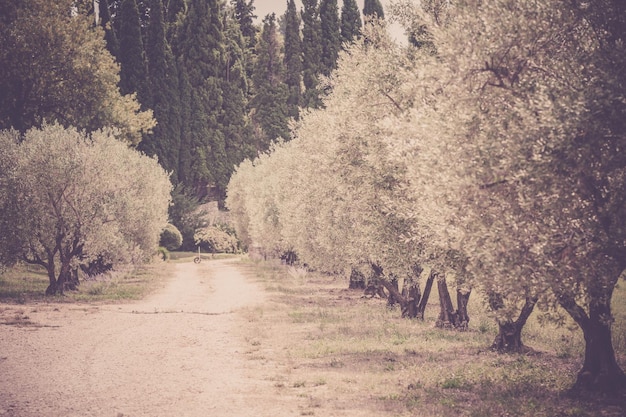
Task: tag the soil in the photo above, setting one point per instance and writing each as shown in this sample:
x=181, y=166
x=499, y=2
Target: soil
x=181, y=352
x=227, y=338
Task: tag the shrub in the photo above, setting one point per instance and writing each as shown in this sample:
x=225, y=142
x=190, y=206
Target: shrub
x=216, y=239
x=171, y=238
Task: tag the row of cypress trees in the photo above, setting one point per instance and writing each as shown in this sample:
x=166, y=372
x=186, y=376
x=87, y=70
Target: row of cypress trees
x=223, y=88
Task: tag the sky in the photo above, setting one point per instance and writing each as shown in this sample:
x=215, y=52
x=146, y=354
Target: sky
x=265, y=7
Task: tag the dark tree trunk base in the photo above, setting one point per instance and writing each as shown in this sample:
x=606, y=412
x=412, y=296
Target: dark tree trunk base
x=393, y=299
x=375, y=285
x=449, y=318
x=357, y=280
x=509, y=340
x=411, y=296
x=608, y=385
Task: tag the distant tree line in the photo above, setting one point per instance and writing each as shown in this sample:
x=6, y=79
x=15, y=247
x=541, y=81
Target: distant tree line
x=198, y=84
x=221, y=86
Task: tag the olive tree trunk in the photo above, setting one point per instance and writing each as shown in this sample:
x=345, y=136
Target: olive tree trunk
x=357, y=280
x=600, y=372
x=421, y=307
x=509, y=338
x=448, y=316
x=410, y=297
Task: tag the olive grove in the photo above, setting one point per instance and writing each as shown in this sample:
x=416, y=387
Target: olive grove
x=494, y=155
x=70, y=200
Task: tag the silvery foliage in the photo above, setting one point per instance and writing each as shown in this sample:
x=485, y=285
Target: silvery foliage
x=485, y=147
x=85, y=196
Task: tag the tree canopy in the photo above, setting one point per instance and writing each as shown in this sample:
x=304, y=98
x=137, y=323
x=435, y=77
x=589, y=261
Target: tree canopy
x=494, y=153
x=56, y=69
x=75, y=199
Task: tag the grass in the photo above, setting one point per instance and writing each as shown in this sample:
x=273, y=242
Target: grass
x=24, y=283
x=335, y=351
x=184, y=256
x=318, y=330
x=27, y=283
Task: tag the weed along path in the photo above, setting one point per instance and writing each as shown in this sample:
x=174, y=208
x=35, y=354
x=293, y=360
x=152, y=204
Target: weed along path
x=181, y=352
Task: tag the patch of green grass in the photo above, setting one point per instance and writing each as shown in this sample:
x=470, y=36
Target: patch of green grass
x=21, y=284
x=454, y=382
x=408, y=367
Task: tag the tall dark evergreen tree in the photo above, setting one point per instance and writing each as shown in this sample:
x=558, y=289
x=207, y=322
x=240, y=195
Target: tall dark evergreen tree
x=106, y=23
x=373, y=9
x=330, y=35
x=185, y=177
x=269, y=103
x=237, y=130
x=244, y=13
x=164, y=141
x=293, y=60
x=311, y=52
x=131, y=56
x=173, y=15
x=350, y=21
x=201, y=53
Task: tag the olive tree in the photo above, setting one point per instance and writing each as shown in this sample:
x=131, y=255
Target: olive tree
x=336, y=194
x=530, y=119
x=74, y=199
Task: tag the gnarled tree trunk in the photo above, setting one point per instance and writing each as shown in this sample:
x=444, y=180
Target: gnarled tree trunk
x=376, y=283
x=462, y=298
x=509, y=338
x=410, y=296
x=52, y=286
x=412, y=293
x=421, y=307
x=600, y=372
x=448, y=316
x=357, y=280
x=394, y=297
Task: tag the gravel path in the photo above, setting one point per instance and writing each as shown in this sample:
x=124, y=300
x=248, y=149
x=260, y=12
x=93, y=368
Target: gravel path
x=179, y=353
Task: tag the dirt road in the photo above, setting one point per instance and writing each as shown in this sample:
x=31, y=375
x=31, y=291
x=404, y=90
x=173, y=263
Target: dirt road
x=178, y=353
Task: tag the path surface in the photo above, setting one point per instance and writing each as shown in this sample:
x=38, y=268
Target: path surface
x=178, y=353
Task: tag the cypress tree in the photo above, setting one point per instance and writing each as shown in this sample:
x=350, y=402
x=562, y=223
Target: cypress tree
x=269, y=103
x=131, y=57
x=293, y=60
x=235, y=90
x=172, y=10
x=173, y=14
x=110, y=36
x=244, y=13
x=185, y=150
x=373, y=9
x=350, y=21
x=201, y=52
x=330, y=35
x=164, y=141
x=311, y=52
